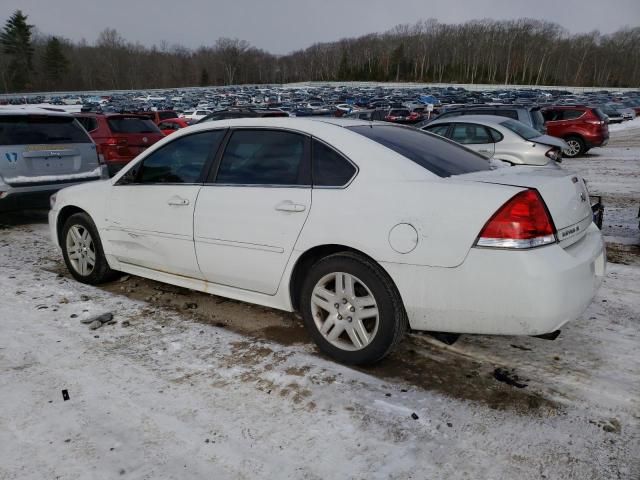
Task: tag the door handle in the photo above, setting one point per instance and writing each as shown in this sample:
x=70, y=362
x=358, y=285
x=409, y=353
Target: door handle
x=178, y=201
x=289, y=206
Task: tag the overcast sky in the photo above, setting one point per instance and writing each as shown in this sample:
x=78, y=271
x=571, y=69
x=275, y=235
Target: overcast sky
x=281, y=26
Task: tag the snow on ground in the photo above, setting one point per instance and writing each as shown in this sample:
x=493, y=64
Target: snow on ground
x=626, y=125
x=229, y=390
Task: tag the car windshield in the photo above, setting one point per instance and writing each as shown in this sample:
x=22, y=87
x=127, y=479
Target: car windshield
x=440, y=156
x=132, y=125
x=520, y=129
x=40, y=129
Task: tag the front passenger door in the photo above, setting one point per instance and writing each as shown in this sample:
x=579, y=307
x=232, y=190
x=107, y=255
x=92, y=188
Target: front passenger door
x=150, y=209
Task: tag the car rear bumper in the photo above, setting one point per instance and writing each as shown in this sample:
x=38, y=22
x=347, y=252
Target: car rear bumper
x=34, y=195
x=504, y=292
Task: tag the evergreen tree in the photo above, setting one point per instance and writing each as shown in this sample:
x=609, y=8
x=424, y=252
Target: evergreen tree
x=15, y=40
x=55, y=63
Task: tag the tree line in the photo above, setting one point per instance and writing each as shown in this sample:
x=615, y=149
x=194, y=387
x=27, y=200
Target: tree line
x=524, y=51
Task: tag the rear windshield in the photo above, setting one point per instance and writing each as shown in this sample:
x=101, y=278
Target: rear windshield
x=440, y=156
x=132, y=125
x=40, y=129
x=521, y=129
x=537, y=119
x=167, y=114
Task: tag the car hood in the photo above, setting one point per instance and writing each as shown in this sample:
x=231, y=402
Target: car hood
x=551, y=141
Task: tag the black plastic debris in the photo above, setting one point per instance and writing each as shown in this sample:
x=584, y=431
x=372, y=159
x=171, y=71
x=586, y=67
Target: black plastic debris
x=510, y=378
x=65, y=395
x=415, y=416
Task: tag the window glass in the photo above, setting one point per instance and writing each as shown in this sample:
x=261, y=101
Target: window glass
x=167, y=114
x=496, y=135
x=506, y=113
x=521, y=129
x=469, y=134
x=572, y=114
x=132, y=125
x=330, y=169
x=438, y=155
x=438, y=129
x=89, y=123
x=262, y=157
x=182, y=160
x=40, y=129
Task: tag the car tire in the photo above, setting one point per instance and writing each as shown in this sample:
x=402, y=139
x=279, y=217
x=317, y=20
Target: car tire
x=338, y=298
x=82, y=251
x=576, y=147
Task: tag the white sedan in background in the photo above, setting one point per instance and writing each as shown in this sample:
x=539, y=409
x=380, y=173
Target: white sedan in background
x=500, y=138
x=366, y=229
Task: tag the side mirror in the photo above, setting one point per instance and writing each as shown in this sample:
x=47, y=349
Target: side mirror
x=129, y=177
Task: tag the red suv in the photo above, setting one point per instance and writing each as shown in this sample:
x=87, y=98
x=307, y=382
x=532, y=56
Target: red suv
x=120, y=137
x=581, y=127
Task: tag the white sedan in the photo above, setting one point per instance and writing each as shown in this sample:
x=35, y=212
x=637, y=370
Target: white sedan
x=366, y=229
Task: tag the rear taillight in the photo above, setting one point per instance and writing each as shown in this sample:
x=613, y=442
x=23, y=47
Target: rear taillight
x=554, y=154
x=595, y=122
x=120, y=142
x=522, y=222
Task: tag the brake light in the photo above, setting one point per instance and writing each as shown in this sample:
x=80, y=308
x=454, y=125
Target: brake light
x=522, y=222
x=595, y=122
x=116, y=141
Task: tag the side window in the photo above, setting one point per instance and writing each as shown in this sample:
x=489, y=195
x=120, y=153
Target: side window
x=551, y=115
x=167, y=126
x=438, y=129
x=89, y=123
x=182, y=160
x=330, y=169
x=506, y=113
x=264, y=157
x=572, y=114
x=469, y=134
x=496, y=135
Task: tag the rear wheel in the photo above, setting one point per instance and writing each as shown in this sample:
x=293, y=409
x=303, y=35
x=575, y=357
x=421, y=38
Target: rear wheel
x=351, y=309
x=576, y=147
x=82, y=250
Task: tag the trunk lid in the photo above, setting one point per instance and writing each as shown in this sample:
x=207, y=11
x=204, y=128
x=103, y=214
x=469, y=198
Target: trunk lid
x=564, y=193
x=134, y=133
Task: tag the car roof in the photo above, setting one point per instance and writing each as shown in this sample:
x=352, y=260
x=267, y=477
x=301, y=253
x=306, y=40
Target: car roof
x=482, y=119
x=305, y=124
x=33, y=111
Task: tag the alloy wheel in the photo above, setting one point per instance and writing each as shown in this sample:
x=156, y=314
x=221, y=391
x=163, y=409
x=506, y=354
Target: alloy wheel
x=81, y=250
x=345, y=311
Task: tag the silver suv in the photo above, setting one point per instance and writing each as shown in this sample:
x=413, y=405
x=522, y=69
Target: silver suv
x=42, y=151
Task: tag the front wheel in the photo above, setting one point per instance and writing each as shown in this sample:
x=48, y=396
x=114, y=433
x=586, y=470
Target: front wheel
x=82, y=250
x=351, y=309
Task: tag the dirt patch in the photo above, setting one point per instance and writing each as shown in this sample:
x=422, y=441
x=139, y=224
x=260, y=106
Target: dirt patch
x=423, y=365
x=624, y=254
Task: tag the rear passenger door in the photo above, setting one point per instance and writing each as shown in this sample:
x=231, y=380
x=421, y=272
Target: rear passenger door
x=474, y=136
x=250, y=212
